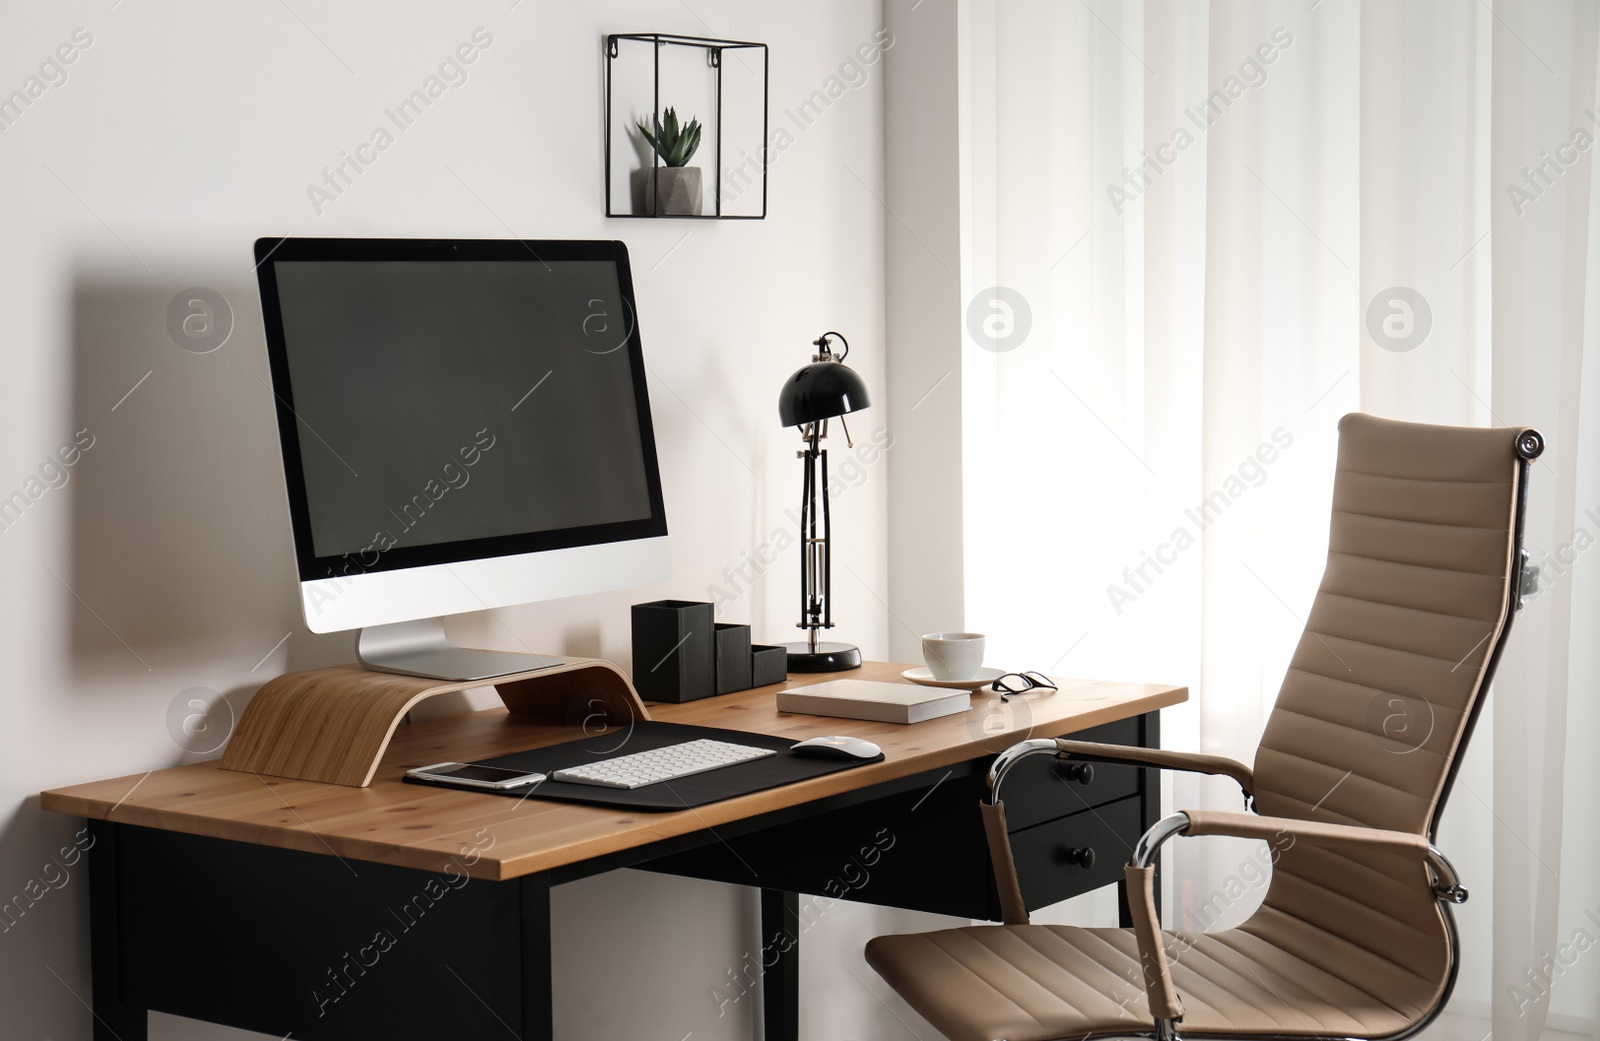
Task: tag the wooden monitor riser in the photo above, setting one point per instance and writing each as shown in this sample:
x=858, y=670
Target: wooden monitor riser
x=333, y=725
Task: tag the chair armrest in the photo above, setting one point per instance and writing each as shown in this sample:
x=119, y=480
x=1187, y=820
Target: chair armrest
x=1012, y=909
x=1160, y=758
x=1164, y=1006
x=1251, y=826
x=1158, y=985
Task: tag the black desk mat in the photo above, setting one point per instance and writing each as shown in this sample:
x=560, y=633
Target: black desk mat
x=695, y=790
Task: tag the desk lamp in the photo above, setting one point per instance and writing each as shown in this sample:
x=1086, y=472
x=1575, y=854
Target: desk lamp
x=824, y=390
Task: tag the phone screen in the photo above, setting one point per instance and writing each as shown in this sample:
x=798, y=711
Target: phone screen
x=468, y=772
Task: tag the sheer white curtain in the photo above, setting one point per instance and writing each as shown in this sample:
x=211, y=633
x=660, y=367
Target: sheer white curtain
x=1216, y=228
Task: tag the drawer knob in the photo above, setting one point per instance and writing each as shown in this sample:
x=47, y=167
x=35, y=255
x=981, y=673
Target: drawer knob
x=1082, y=856
x=1083, y=773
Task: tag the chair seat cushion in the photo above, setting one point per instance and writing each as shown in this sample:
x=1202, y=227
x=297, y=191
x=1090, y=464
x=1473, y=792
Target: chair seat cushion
x=1047, y=983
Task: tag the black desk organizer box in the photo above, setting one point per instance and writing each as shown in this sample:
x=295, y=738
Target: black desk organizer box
x=681, y=653
x=728, y=782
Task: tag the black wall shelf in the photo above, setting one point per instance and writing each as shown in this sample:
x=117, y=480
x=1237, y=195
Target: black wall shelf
x=662, y=70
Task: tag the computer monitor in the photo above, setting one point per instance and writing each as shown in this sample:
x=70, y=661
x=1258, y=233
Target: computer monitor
x=464, y=425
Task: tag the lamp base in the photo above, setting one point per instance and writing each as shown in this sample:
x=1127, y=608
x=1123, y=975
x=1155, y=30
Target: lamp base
x=828, y=657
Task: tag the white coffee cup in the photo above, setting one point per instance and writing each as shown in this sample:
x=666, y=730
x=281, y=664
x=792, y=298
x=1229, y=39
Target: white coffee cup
x=953, y=656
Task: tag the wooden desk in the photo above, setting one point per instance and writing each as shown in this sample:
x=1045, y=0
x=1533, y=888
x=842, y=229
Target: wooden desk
x=324, y=911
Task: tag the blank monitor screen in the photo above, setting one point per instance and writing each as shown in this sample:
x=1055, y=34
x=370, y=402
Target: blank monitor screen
x=449, y=406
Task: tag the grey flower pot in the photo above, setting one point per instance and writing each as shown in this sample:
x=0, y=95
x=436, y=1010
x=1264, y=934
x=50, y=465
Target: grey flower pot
x=680, y=191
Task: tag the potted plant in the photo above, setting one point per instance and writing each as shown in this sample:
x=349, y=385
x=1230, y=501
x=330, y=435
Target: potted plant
x=679, y=183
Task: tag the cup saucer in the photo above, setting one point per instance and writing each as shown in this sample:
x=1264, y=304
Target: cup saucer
x=925, y=677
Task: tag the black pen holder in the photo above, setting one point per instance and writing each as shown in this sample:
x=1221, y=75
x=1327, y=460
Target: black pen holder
x=733, y=658
x=674, y=647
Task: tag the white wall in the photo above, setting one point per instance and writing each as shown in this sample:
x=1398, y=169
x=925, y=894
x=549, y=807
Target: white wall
x=185, y=130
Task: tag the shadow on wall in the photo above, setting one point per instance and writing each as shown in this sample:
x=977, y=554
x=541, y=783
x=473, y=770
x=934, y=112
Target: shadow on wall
x=43, y=920
x=180, y=539
x=178, y=560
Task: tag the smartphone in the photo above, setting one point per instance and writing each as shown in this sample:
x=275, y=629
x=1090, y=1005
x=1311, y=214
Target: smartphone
x=465, y=775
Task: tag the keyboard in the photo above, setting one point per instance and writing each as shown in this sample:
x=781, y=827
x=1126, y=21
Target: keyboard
x=662, y=764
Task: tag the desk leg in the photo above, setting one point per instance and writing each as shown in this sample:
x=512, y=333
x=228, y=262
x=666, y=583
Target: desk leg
x=780, y=965
x=538, y=1022
x=113, y=1021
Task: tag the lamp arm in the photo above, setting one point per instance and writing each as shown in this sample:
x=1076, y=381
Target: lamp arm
x=814, y=565
x=805, y=555
x=827, y=548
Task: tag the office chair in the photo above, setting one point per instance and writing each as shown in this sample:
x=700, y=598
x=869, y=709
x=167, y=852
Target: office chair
x=1354, y=938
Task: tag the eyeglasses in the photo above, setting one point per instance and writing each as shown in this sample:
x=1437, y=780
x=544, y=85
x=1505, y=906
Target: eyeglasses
x=1020, y=683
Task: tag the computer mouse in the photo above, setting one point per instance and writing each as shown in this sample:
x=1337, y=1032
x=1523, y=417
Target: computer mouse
x=837, y=748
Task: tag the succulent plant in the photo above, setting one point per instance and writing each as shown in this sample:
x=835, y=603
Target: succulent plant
x=675, y=144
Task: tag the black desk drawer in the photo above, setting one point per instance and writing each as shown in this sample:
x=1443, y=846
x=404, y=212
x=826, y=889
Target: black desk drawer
x=918, y=842
x=1042, y=788
x=1075, y=854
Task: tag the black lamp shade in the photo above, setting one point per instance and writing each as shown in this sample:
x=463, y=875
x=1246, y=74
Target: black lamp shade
x=821, y=390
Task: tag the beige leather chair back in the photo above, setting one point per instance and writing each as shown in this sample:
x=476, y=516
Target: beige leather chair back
x=1382, y=689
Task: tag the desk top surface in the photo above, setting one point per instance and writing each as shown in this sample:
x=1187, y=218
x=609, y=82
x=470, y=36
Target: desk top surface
x=433, y=828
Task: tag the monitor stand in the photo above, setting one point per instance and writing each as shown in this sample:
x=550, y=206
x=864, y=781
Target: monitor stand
x=334, y=725
x=420, y=648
